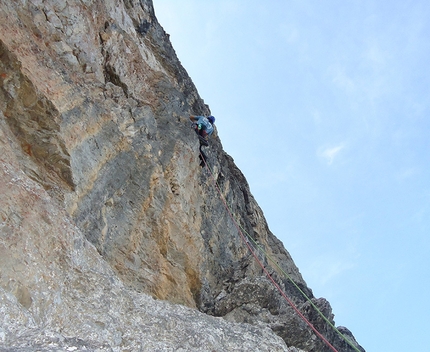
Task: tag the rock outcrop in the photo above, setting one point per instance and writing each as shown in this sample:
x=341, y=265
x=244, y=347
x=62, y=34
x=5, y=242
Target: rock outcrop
x=104, y=204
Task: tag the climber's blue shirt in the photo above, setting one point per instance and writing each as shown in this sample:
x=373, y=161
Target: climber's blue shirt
x=206, y=125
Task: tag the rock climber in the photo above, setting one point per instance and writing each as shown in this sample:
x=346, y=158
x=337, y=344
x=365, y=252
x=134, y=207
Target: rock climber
x=204, y=128
x=203, y=125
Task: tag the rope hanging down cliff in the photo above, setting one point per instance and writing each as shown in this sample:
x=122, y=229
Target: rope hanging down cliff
x=251, y=249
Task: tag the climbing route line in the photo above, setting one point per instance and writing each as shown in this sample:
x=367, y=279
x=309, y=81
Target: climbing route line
x=252, y=250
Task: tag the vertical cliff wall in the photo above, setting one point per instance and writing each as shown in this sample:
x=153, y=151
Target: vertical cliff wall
x=98, y=155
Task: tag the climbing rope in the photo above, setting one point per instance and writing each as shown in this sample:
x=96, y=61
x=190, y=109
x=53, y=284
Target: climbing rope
x=303, y=293
x=241, y=232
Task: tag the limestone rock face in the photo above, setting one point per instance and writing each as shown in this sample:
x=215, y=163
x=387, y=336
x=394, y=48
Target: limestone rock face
x=57, y=292
x=104, y=204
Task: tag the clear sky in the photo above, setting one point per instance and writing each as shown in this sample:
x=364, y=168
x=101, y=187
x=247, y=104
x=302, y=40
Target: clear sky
x=325, y=107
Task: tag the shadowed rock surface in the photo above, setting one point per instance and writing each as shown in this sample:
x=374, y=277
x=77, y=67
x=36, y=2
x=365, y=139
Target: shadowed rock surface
x=104, y=204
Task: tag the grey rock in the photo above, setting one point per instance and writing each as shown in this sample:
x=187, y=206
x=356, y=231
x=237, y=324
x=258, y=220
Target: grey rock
x=104, y=204
x=58, y=294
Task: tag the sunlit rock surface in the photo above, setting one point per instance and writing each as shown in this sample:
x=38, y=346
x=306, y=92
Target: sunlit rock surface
x=112, y=237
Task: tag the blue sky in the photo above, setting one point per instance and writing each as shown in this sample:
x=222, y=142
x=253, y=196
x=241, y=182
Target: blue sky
x=325, y=108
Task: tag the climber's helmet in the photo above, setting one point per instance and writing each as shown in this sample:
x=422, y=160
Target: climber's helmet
x=211, y=119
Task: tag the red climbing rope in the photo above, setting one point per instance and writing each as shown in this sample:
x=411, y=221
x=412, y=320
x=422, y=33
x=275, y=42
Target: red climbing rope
x=262, y=265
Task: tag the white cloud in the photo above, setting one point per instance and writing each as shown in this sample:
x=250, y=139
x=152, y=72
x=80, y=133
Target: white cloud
x=316, y=114
x=335, y=269
x=330, y=153
x=289, y=32
x=341, y=79
x=375, y=55
x=407, y=174
x=324, y=269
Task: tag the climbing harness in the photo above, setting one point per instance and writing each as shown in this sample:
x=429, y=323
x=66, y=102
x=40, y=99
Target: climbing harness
x=246, y=238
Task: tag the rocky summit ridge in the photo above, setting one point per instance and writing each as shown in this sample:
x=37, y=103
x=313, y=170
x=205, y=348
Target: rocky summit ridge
x=110, y=237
